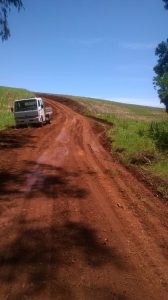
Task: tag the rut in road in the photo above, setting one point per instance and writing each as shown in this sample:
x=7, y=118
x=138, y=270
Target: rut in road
x=75, y=224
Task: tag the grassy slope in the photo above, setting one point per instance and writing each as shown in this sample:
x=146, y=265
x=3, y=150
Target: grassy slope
x=139, y=134
x=7, y=96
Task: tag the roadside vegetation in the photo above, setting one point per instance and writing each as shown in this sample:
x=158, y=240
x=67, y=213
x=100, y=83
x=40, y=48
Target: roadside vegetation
x=138, y=135
x=7, y=96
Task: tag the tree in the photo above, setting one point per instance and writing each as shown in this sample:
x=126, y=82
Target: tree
x=161, y=69
x=165, y=3
x=5, y=7
x=161, y=83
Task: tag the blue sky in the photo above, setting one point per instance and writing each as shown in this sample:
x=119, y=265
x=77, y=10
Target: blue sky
x=95, y=48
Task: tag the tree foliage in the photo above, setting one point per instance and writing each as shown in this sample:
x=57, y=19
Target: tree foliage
x=161, y=83
x=5, y=7
x=161, y=69
x=165, y=3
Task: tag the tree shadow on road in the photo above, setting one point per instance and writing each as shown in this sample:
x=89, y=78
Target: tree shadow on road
x=38, y=259
x=55, y=182
x=35, y=257
x=15, y=139
x=36, y=180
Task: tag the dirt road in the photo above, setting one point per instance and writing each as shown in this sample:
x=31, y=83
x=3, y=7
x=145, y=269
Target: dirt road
x=74, y=223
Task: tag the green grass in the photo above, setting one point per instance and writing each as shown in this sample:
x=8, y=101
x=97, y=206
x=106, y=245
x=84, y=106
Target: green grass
x=6, y=120
x=140, y=142
x=160, y=168
x=131, y=137
x=7, y=97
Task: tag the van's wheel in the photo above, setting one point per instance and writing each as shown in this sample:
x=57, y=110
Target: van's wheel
x=41, y=123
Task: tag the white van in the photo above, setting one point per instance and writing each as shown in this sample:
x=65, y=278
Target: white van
x=30, y=111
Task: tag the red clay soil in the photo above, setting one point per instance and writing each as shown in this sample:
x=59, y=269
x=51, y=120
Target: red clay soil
x=74, y=223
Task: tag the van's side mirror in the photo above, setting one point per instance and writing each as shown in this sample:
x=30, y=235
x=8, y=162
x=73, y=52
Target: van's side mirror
x=12, y=109
x=42, y=106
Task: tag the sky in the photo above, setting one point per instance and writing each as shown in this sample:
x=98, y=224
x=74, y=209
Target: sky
x=95, y=48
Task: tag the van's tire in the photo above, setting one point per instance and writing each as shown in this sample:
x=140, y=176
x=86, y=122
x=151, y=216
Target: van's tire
x=48, y=121
x=42, y=122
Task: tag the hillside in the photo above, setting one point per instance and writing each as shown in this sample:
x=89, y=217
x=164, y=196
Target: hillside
x=131, y=111
x=138, y=134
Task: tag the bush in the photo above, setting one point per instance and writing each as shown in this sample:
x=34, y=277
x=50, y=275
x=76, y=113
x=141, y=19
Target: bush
x=159, y=133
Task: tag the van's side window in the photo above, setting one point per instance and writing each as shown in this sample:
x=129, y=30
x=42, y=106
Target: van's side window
x=38, y=103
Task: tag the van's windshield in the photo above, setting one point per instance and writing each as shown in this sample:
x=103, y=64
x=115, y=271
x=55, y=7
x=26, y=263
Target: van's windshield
x=25, y=105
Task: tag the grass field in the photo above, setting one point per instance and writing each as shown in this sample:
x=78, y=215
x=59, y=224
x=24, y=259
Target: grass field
x=7, y=96
x=98, y=106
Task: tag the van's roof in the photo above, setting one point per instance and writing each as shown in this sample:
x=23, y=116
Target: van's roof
x=33, y=98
